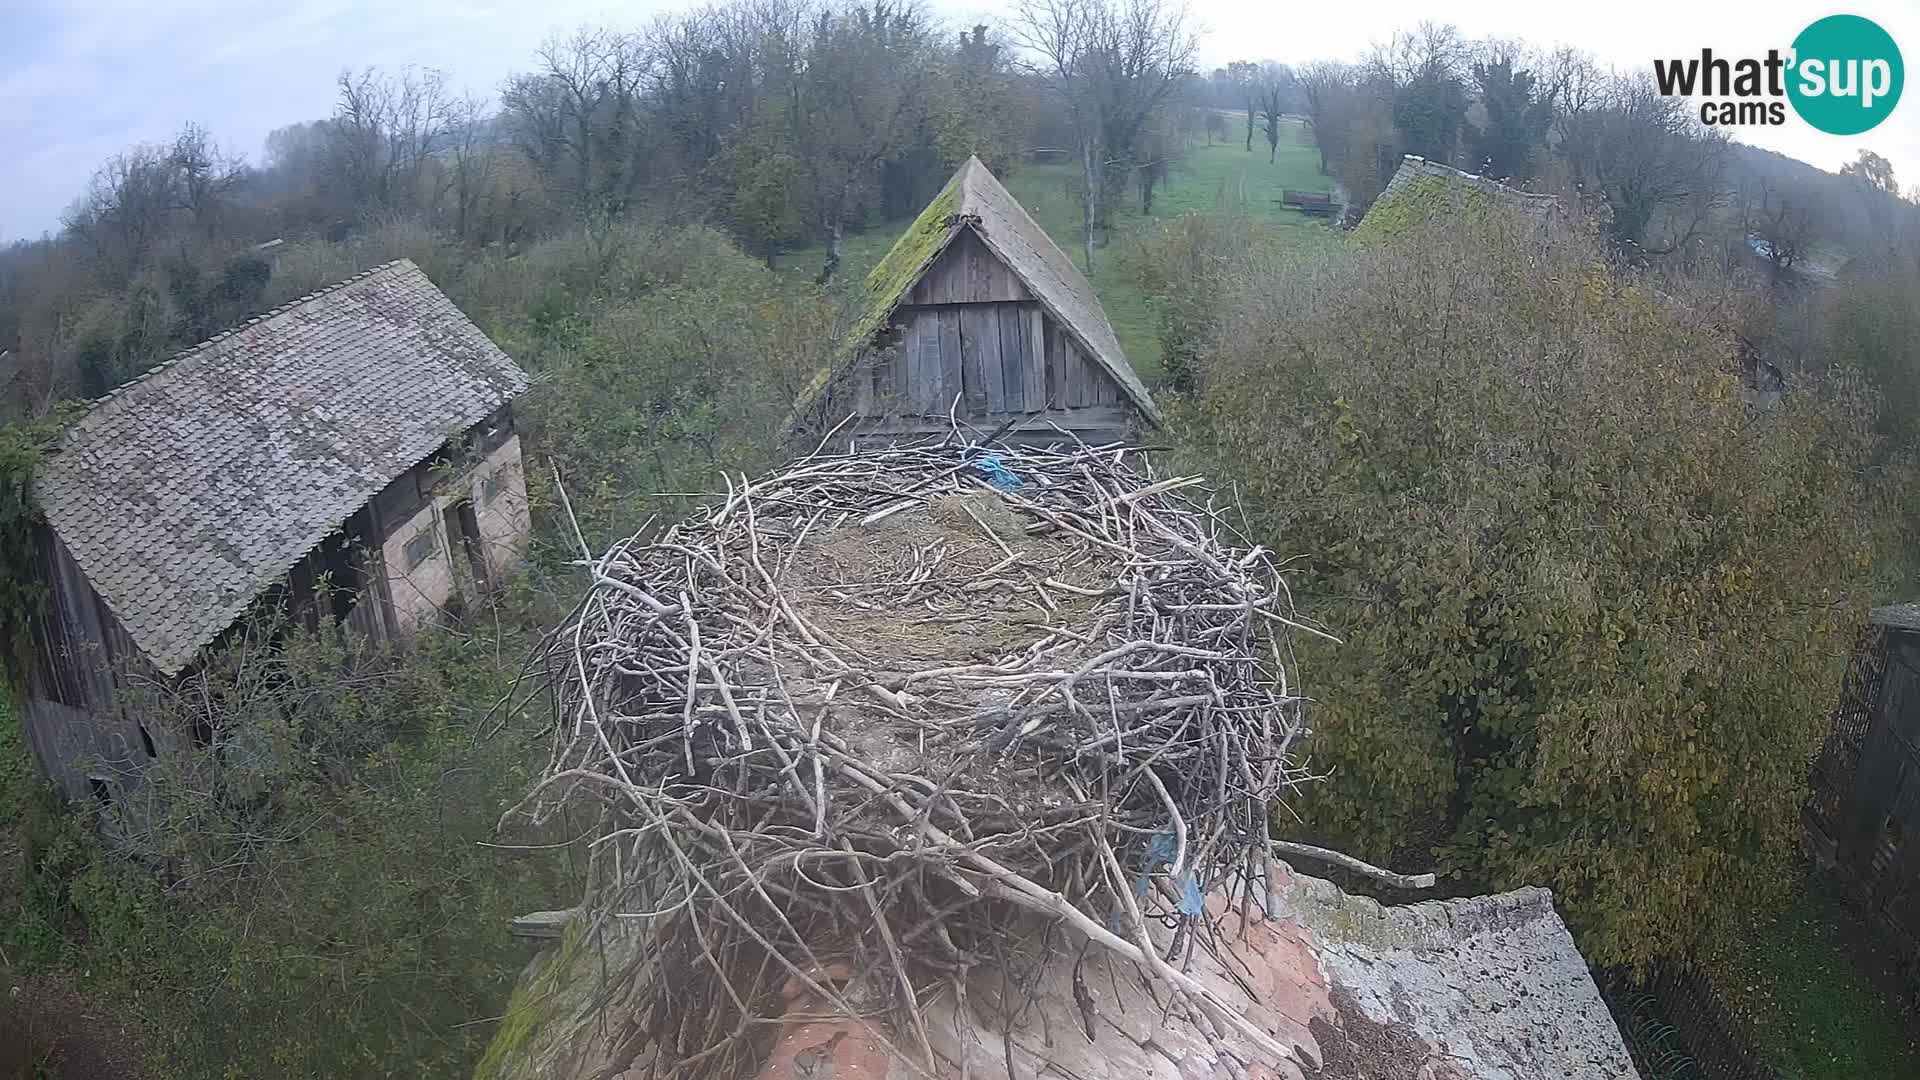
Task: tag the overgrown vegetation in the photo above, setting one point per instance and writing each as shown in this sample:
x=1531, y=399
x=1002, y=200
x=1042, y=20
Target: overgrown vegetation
x=299, y=887
x=1594, y=605
x=305, y=893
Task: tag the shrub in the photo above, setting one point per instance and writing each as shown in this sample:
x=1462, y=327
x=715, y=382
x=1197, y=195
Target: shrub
x=1184, y=266
x=1591, y=600
x=298, y=886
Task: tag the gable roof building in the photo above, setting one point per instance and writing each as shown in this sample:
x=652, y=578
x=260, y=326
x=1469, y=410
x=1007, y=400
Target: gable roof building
x=975, y=312
x=186, y=497
x=1421, y=189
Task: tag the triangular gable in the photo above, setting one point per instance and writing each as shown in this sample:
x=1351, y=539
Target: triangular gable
x=975, y=201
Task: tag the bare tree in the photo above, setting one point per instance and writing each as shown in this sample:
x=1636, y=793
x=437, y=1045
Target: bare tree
x=1115, y=64
x=203, y=174
x=470, y=157
x=1784, y=225
x=1273, y=83
x=385, y=129
x=1650, y=160
x=579, y=118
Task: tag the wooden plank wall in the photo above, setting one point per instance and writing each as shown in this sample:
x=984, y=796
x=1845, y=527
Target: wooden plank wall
x=967, y=273
x=74, y=720
x=1002, y=359
x=970, y=329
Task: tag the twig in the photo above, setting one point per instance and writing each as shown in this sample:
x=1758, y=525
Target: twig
x=1348, y=862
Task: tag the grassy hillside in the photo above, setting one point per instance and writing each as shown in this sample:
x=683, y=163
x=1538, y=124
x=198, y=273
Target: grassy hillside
x=1224, y=176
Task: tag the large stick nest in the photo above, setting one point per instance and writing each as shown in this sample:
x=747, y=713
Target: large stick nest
x=872, y=722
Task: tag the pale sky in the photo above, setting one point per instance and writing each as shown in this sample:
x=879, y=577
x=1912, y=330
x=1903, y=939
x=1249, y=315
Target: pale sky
x=82, y=79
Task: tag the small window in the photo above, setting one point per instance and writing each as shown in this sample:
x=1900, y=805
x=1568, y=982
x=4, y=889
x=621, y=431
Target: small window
x=420, y=548
x=491, y=486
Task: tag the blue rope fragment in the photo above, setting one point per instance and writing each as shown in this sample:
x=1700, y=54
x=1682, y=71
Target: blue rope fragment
x=997, y=473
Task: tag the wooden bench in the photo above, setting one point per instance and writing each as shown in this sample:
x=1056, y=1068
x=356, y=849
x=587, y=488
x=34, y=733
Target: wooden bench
x=1312, y=202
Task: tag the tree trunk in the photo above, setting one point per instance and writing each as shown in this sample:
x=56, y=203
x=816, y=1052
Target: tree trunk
x=1091, y=203
x=835, y=235
x=1249, y=130
x=772, y=250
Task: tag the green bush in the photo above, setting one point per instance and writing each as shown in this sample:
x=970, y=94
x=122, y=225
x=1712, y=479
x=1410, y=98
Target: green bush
x=675, y=358
x=1594, y=605
x=301, y=890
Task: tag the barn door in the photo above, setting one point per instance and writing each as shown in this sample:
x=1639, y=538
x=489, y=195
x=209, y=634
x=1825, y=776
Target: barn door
x=463, y=529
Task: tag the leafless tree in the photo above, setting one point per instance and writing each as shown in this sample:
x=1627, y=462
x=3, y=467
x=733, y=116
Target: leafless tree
x=1115, y=64
x=1649, y=159
x=579, y=117
x=470, y=159
x=203, y=174
x=385, y=129
x=1784, y=224
x=1272, y=84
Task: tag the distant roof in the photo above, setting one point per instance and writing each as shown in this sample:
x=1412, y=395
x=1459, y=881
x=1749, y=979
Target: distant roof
x=974, y=199
x=1896, y=616
x=1421, y=187
x=1485, y=988
x=187, y=492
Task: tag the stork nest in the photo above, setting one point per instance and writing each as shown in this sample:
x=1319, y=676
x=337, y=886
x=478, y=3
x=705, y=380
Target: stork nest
x=873, y=720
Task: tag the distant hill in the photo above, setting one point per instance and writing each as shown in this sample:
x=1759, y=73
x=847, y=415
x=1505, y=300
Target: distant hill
x=1854, y=220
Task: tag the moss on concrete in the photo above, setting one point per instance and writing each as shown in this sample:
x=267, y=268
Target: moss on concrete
x=534, y=1002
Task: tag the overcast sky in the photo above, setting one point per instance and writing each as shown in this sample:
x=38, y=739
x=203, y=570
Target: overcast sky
x=81, y=79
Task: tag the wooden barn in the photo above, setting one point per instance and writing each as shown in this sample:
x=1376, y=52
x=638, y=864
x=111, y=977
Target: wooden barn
x=1863, y=811
x=349, y=457
x=975, y=314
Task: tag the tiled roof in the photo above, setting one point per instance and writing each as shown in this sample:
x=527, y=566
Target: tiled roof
x=975, y=199
x=1896, y=616
x=1420, y=188
x=1487, y=987
x=186, y=493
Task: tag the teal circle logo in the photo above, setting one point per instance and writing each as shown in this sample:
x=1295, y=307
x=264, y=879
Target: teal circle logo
x=1846, y=74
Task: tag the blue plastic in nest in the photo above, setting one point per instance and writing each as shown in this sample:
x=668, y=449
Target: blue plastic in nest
x=997, y=473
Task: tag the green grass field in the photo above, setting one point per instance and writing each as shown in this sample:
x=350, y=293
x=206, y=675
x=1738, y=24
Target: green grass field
x=1798, y=987
x=1224, y=176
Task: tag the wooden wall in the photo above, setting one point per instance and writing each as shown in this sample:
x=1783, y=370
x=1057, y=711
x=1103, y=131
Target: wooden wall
x=73, y=717
x=970, y=330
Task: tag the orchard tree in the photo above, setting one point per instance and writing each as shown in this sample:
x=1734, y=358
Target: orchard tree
x=1115, y=65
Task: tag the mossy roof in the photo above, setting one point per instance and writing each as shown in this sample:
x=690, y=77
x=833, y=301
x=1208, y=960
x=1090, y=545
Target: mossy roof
x=975, y=199
x=1422, y=189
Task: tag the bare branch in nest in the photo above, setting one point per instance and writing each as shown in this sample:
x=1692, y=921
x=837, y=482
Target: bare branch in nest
x=1348, y=862
x=873, y=714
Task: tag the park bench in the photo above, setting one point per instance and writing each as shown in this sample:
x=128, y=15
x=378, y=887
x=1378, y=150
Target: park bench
x=1312, y=202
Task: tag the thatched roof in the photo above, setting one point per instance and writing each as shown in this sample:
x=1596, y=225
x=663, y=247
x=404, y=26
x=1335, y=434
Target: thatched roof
x=974, y=200
x=187, y=492
x=1421, y=189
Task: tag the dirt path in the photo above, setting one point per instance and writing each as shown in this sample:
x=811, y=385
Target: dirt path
x=48, y=1031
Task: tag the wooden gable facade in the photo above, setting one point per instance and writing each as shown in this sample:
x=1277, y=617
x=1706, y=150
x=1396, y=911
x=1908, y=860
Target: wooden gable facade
x=996, y=330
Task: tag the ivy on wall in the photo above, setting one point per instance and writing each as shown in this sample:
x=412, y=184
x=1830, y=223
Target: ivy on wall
x=22, y=594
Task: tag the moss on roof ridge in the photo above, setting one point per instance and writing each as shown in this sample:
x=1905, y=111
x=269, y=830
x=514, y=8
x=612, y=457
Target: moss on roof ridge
x=908, y=258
